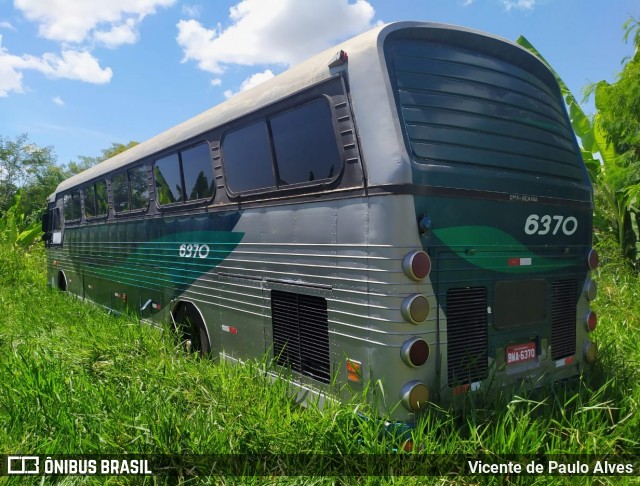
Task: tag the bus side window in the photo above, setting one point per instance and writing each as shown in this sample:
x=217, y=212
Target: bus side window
x=198, y=172
x=247, y=158
x=72, y=206
x=89, y=201
x=304, y=141
x=166, y=172
x=96, y=202
x=139, y=187
x=102, y=199
x=54, y=220
x=53, y=233
x=120, y=189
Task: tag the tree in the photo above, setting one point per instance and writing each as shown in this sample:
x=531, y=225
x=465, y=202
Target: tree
x=25, y=165
x=617, y=123
x=609, y=142
x=86, y=162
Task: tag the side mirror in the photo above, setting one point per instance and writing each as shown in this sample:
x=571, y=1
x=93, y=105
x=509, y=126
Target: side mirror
x=45, y=222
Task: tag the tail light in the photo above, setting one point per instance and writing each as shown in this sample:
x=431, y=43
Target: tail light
x=591, y=321
x=415, y=352
x=415, y=395
x=416, y=265
x=591, y=289
x=593, y=260
x=415, y=308
x=590, y=351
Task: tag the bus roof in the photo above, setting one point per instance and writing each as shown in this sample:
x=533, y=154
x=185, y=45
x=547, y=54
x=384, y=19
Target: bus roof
x=365, y=66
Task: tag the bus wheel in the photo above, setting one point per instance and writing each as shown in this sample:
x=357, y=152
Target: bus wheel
x=62, y=282
x=190, y=329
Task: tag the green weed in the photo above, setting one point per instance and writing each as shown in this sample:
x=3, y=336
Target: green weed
x=74, y=379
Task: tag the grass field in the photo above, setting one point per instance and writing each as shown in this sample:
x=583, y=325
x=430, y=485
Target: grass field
x=74, y=379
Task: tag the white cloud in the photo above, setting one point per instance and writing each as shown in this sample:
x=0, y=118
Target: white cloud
x=272, y=32
x=81, y=22
x=216, y=82
x=77, y=65
x=76, y=21
x=10, y=77
x=58, y=101
x=192, y=11
x=518, y=4
x=253, y=80
x=118, y=35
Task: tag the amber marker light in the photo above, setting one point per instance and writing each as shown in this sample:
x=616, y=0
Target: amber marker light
x=354, y=372
x=416, y=265
x=415, y=308
x=590, y=351
x=593, y=260
x=591, y=321
x=415, y=395
x=415, y=352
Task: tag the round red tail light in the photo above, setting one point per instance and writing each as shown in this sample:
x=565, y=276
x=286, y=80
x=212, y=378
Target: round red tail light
x=593, y=260
x=416, y=265
x=591, y=321
x=415, y=352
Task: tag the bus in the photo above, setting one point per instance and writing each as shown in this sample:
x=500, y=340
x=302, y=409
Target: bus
x=409, y=208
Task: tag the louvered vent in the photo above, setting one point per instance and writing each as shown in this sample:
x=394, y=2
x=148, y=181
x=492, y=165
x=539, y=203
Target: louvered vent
x=467, y=342
x=463, y=106
x=564, y=300
x=301, y=333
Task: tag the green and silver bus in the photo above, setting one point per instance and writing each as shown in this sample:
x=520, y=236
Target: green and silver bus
x=408, y=208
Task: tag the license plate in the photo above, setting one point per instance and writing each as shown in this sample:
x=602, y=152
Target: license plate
x=519, y=353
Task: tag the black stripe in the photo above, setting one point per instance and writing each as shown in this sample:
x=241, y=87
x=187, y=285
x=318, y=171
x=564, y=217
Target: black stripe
x=437, y=191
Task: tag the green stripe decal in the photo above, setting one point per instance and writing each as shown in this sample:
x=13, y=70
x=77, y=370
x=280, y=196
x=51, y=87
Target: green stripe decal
x=175, y=260
x=491, y=249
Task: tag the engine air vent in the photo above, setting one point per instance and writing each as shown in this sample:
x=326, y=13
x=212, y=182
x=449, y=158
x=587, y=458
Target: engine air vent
x=564, y=300
x=301, y=333
x=467, y=342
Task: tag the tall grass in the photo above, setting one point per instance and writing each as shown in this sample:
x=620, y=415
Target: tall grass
x=74, y=379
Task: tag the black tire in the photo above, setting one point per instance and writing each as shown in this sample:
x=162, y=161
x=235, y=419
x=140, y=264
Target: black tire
x=191, y=330
x=62, y=282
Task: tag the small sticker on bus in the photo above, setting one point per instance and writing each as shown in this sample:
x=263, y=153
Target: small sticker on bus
x=520, y=353
x=519, y=262
x=564, y=362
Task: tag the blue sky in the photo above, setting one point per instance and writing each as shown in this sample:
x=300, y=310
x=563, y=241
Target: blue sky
x=80, y=74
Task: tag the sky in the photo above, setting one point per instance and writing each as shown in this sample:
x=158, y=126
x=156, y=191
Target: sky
x=79, y=75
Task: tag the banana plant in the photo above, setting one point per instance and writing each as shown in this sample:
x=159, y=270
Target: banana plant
x=10, y=223
x=600, y=158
